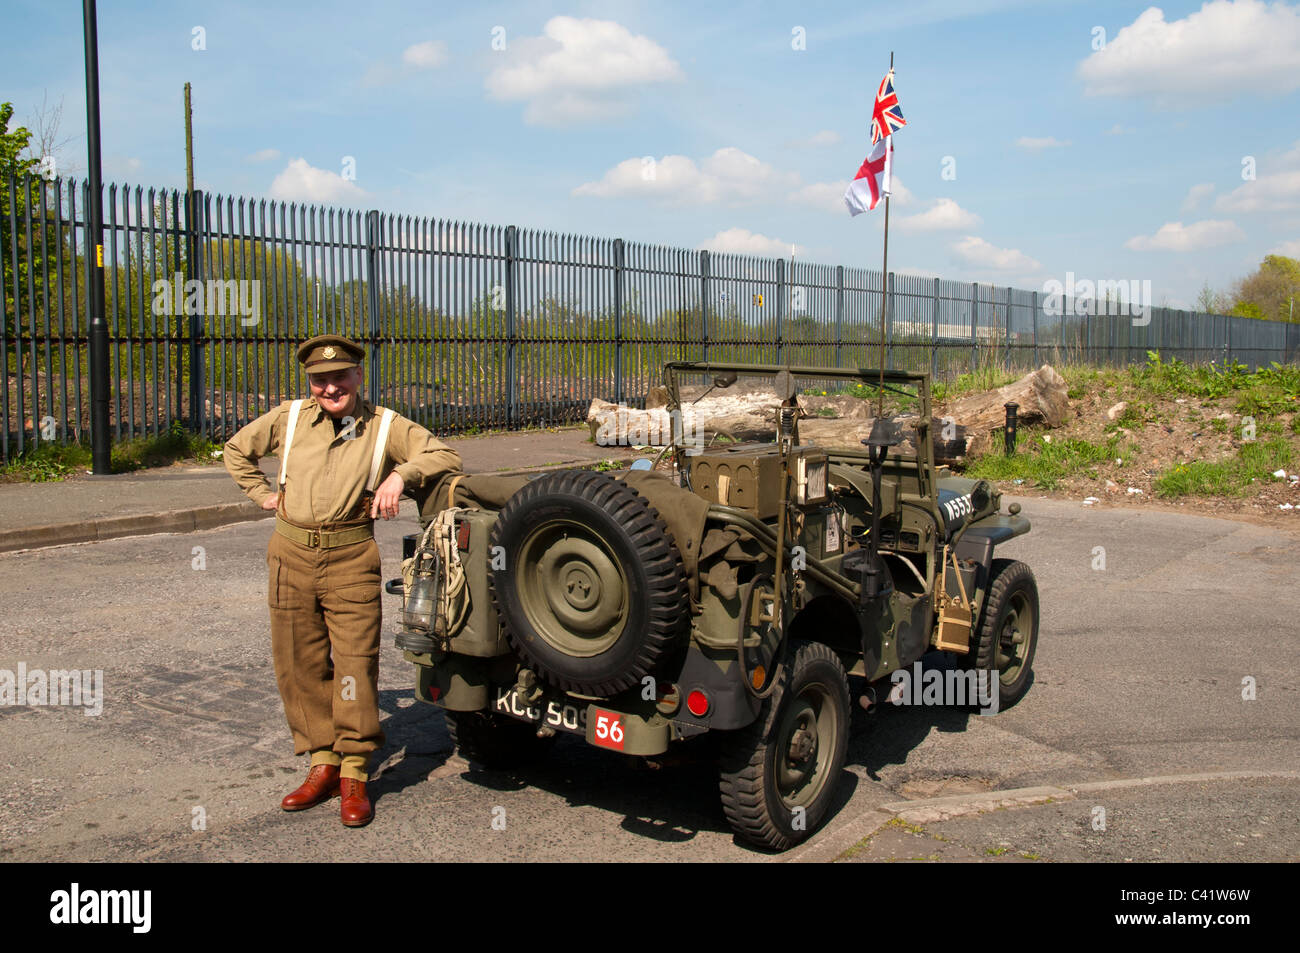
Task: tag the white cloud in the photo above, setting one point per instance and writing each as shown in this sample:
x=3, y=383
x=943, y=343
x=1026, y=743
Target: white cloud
x=426, y=55
x=1038, y=145
x=300, y=182
x=977, y=251
x=900, y=193
x=942, y=214
x=1290, y=249
x=1117, y=130
x=264, y=155
x=818, y=140
x=1268, y=193
x=827, y=196
x=1175, y=236
x=1223, y=49
x=729, y=175
x=1195, y=194
x=740, y=241
x=579, y=70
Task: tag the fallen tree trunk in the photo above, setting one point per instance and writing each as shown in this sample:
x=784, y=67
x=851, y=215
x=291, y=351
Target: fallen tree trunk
x=1041, y=395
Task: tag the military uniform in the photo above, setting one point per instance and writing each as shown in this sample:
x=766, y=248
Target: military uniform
x=323, y=564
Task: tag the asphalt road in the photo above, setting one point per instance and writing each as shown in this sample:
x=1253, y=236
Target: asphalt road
x=1139, y=673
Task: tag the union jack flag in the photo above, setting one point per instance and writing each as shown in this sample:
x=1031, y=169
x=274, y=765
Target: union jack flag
x=886, y=115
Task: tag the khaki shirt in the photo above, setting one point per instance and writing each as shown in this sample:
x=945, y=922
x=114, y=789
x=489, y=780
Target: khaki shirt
x=327, y=474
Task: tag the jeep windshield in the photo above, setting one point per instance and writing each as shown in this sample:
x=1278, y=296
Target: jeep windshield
x=715, y=405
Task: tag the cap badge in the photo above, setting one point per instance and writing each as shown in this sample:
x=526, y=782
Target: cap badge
x=328, y=353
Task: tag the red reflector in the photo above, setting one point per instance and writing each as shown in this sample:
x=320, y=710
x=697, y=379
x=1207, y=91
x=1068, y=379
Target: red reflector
x=697, y=703
x=434, y=692
x=462, y=536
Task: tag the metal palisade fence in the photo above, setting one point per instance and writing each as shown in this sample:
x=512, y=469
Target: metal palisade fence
x=472, y=326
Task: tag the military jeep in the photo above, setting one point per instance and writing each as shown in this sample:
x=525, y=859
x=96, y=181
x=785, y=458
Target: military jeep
x=731, y=588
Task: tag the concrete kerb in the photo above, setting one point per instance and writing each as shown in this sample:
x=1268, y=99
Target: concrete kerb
x=833, y=842
x=184, y=520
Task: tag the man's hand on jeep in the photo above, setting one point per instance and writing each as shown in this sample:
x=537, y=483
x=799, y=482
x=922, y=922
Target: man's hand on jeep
x=271, y=502
x=387, y=497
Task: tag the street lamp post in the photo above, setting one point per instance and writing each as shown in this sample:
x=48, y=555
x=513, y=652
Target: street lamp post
x=100, y=449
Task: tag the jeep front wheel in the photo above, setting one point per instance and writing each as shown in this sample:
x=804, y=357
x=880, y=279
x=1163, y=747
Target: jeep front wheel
x=1004, y=644
x=778, y=775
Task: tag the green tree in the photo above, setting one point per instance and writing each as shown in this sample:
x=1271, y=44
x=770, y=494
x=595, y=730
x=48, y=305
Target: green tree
x=1271, y=292
x=13, y=163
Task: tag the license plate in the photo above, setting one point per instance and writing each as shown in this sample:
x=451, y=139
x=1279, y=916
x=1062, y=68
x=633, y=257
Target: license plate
x=562, y=716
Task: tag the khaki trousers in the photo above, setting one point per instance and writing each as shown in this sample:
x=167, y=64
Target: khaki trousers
x=325, y=623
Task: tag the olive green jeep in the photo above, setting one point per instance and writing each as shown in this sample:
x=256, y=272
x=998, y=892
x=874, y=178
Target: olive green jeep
x=730, y=588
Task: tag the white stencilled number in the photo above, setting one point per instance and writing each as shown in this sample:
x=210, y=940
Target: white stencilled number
x=609, y=732
x=553, y=714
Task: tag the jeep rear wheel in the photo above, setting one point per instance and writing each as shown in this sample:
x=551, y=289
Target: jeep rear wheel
x=592, y=593
x=778, y=775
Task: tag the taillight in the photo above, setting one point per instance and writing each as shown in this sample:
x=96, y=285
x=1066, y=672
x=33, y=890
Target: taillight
x=697, y=703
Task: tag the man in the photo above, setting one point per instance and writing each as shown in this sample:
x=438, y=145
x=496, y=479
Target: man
x=343, y=463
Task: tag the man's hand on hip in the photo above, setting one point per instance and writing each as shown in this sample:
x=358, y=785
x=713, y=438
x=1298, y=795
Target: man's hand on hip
x=271, y=502
x=387, y=497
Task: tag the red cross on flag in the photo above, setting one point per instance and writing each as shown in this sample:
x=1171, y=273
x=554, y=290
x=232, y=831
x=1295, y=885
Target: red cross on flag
x=872, y=181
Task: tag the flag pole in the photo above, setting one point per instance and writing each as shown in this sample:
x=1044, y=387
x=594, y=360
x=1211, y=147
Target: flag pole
x=884, y=268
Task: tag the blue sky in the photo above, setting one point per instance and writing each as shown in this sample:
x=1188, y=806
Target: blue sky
x=1112, y=140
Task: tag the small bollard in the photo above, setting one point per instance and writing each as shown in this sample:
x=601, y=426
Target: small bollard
x=1010, y=432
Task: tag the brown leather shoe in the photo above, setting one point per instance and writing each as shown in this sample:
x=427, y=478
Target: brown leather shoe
x=356, y=810
x=322, y=784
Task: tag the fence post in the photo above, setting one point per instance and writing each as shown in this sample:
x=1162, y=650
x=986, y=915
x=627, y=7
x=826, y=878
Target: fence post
x=704, y=306
x=934, y=333
x=374, y=237
x=512, y=263
x=618, y=320
x=780, y=306
x=839, y=315
x=974, y=305
x=1006, y=340
x=1034, y=305
x=194, y=229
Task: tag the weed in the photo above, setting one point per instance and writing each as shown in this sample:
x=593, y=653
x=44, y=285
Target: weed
x=903, y=825
x=996, y=851
x=1254, y=461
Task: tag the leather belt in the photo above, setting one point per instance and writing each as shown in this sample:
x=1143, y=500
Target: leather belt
x=323, y=539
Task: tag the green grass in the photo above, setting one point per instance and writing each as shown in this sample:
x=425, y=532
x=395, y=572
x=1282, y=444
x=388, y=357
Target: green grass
x=1043, y=463
x=51, y=462
x=1265, y=392
x=1254, y=461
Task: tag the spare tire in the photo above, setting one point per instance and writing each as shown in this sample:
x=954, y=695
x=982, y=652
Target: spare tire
x=588, y=583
